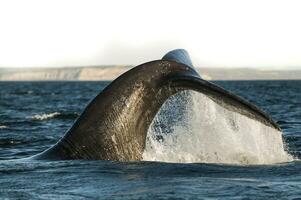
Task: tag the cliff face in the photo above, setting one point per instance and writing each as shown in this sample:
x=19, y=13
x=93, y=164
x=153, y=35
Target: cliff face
x=61, y=74
x=39, y=74
x=112, y=72
x=105, y=73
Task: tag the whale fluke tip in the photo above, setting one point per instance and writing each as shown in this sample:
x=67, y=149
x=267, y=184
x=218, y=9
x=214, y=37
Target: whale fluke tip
x=180, y=56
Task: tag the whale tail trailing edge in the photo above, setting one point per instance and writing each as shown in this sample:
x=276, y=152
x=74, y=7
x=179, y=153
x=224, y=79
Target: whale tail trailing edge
x=115, y=123
x=216, y=93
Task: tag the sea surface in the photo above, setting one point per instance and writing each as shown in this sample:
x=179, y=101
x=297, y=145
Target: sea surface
x=35, y=115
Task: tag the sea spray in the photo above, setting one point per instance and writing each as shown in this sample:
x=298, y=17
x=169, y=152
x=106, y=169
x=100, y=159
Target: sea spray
x=208, y=133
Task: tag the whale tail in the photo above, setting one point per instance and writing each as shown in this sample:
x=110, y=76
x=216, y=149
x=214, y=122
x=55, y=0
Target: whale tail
x=115, y=123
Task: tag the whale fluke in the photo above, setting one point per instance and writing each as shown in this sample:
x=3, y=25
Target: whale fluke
x=114, y=124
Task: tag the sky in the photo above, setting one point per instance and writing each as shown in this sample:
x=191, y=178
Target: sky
x=232, y=33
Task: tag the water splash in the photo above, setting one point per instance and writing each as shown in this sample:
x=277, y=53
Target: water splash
x=209, y=133
x=45, y=116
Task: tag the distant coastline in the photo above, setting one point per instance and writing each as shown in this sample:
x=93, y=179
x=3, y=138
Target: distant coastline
x=95, y=73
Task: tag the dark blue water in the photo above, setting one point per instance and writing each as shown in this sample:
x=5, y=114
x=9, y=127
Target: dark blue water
x=25, y=131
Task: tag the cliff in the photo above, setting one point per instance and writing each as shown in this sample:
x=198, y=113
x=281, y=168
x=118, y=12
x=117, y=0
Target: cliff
x=111, y=72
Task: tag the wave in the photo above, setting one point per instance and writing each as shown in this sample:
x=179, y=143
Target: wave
x=45, y=116
x=9, y=142
x=54, y=115
x=3, y=127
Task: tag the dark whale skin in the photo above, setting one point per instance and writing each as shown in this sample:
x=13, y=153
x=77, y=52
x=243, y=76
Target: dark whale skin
x=114, y=125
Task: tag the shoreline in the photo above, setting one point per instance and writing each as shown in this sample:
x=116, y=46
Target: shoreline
x=109, y=73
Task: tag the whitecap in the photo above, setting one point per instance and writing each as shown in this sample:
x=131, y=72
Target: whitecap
x=45, y=116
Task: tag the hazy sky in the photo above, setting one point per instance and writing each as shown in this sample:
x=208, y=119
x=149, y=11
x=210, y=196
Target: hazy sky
x=216, y=33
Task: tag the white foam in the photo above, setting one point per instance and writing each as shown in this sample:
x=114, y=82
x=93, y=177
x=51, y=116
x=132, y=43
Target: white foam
x=3, y=127
x=210, y=133
x=45, y=116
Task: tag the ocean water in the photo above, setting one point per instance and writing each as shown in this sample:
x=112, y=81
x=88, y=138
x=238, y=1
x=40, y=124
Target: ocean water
x=198, y=156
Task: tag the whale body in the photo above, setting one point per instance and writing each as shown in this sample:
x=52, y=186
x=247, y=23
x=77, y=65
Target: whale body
x=114, y=125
